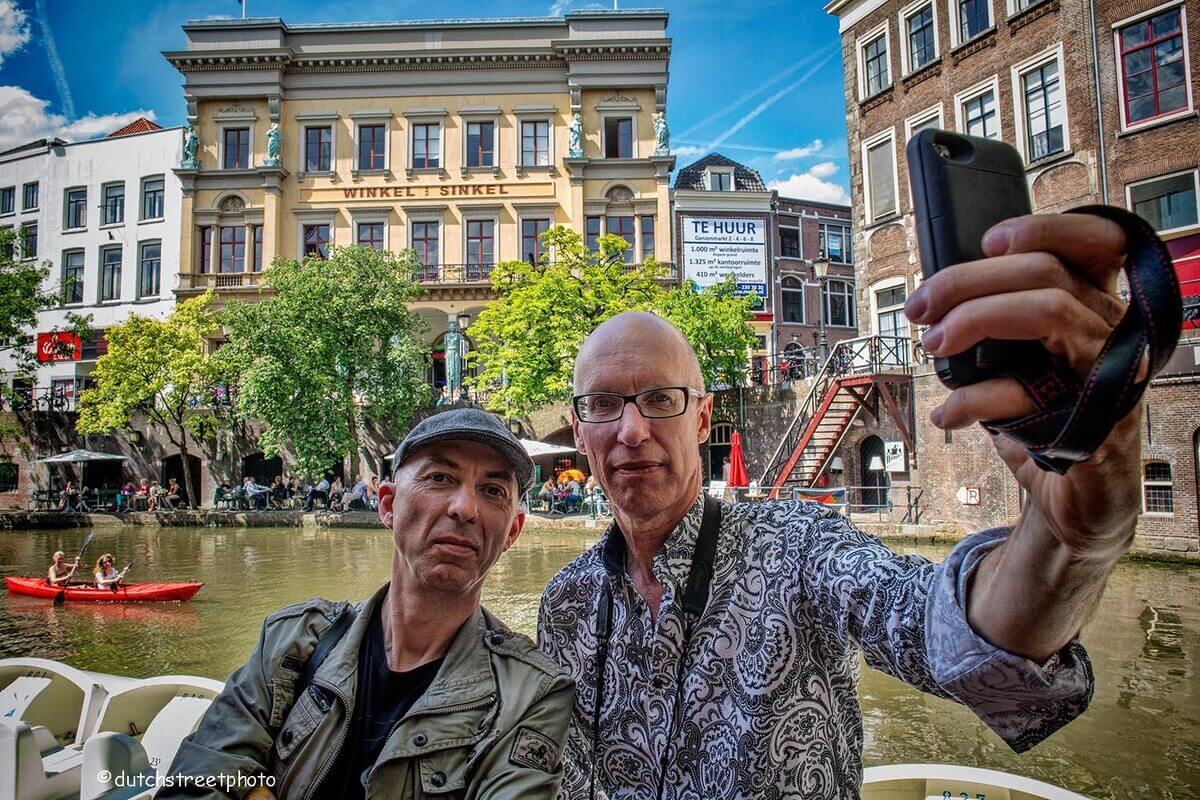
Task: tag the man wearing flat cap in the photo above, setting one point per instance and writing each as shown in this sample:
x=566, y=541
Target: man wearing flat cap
x=418, y=691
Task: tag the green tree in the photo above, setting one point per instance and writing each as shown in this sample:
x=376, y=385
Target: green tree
x=161, y=368
x=330, y=346
x=22, y=296
x=526, y=341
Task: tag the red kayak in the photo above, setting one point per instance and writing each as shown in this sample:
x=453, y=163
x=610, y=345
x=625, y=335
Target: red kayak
x=126, y=593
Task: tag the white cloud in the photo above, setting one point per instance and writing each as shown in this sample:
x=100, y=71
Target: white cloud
x=24, y=118
x=688, y=150
x=558, y=7
x=812, y=185
x=796, y=153
x=14, y=28
x=822, y=170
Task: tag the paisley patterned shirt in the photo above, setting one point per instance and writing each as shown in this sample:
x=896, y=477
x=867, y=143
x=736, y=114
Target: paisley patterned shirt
x=770, y=705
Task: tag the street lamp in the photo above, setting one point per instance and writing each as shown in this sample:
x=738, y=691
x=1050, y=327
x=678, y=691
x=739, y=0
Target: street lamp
x=820, y=268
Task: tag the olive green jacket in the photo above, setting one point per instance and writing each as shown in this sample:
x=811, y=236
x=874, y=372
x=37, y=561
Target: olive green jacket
x=491, y=725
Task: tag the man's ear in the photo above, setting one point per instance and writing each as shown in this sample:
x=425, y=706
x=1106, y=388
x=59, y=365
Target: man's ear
x=575, y=429
x=514, y=530
x=705, y=418
x=387, y=494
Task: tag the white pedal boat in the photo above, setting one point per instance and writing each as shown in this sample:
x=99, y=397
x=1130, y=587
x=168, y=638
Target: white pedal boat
x=951, y=782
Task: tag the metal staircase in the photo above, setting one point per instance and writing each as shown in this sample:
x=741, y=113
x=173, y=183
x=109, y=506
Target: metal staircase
x=858, y=374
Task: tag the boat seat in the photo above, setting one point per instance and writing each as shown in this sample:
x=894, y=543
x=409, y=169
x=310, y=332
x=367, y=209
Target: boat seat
x=27, y=773
x=118, y=754
x=18, y=696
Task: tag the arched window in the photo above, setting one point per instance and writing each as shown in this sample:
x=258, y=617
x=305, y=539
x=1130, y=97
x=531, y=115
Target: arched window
x=721, y=433
x=1158, y=495
x=793, y=301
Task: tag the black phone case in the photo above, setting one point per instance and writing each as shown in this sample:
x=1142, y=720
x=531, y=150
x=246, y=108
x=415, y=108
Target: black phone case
x=961, y=187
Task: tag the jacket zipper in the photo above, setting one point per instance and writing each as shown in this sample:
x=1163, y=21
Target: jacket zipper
x=337, y=747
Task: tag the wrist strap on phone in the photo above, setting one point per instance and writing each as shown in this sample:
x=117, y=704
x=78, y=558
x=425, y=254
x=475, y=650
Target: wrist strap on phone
x=1074, y=416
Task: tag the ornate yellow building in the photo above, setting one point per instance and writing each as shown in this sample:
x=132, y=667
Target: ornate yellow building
x=460, y=139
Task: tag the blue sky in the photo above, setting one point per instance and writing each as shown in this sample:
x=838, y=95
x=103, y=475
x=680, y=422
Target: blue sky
x=757, y=80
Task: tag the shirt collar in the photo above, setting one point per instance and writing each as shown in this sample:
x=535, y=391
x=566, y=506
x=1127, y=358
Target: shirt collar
x=672, y=563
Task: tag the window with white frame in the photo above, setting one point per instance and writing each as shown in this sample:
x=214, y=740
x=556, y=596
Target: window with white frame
x=1016, y=6
x=879, y=166
x=718, y=179
x=918, y=26
x=977, y=110
x=789, y=242
x=833, y=242
x=889, y=310
x=535, y=142
x=618, y=137
x=1152, y=59
x=969, y=18
x=839, y=303
x=481, y=143
x=8, y=200
x=1158, y=493
x=874, y=72
x=29, y=240
x=427, y=145
x=29, y=196
x=1042, y=110
x=318, y=148
x=930, y=118
x=75, y=208
x=1168, y=202
x=793, y=300
x=372, y=146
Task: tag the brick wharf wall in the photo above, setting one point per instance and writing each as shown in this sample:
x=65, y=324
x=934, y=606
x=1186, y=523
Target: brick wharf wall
x=886, y=248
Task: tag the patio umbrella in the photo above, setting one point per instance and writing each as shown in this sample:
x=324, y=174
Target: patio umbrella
x=80, y=456
x=738, y=479
x=535, y=449
x=572, y=474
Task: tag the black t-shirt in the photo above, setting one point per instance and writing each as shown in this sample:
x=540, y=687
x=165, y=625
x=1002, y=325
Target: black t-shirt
x=382, y=698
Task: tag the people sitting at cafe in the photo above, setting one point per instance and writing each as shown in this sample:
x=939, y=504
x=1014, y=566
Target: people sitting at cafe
x=572, y=497
x=221, y=494
x=356, y=498
x=141, y=496
x=255, y=493
x=318, y=492
x=69, y=498
x=336, y=490
x=125, y=496
x=157, y=493
x=173, y=496
x=373, y=493
x=279, y=492
x=546, y=493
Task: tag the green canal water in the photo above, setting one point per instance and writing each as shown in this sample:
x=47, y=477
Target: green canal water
x=1140, y=738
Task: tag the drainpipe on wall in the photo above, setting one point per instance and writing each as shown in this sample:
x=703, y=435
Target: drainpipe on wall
x=1099, y=102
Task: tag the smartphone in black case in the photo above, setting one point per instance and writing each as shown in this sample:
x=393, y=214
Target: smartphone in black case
x=961, y=187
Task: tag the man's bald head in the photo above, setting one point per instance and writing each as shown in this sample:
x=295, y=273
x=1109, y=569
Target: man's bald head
x=634, y=333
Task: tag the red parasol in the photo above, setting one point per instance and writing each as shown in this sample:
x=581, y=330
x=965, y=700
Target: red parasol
x=738, y=479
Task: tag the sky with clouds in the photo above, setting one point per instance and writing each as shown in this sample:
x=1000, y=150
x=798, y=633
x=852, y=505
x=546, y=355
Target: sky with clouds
x=757, y=80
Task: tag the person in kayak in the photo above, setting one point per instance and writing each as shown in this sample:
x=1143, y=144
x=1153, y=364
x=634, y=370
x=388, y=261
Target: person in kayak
x=418, y=691
x=105, y=574
x=60, y=572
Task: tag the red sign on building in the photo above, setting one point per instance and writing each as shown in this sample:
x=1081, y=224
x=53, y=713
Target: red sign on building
x=60, y=346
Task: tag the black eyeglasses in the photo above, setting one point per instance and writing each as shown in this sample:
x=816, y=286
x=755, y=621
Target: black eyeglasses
x=662, y=403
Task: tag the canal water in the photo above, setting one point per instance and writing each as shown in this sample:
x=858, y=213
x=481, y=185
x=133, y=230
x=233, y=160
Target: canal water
x=1140, y=738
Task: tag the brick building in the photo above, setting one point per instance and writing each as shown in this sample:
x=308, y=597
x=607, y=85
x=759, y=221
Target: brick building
x=1099, y=98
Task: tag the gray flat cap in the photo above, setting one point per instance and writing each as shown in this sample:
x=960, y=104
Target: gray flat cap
x=468, y=425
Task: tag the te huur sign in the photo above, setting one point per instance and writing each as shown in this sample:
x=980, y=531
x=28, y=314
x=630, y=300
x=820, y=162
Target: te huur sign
x=437, y=191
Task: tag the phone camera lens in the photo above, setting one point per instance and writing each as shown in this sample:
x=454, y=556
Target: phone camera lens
x=941, y=150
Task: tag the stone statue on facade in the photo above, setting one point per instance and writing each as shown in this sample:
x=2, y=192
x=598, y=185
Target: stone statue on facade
x=273, y=145
x=662, y=134
x=575, y=139
x=190, y=142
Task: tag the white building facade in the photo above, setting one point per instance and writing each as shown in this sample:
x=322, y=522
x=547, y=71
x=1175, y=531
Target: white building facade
x=104, y=217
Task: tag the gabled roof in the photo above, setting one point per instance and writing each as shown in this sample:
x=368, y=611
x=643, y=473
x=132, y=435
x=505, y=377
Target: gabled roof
x=744, y=178
x=139, y=125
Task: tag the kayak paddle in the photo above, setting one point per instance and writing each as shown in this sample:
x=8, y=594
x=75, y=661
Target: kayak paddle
x=61, y=597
